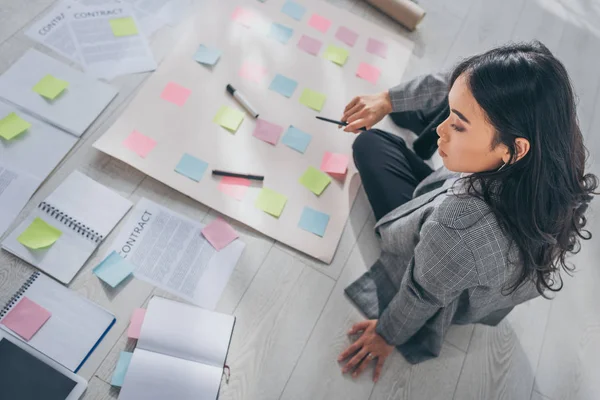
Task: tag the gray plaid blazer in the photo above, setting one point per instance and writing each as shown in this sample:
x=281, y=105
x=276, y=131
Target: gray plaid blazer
x=444, y=260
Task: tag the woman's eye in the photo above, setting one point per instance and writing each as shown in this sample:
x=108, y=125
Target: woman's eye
x=456, y=128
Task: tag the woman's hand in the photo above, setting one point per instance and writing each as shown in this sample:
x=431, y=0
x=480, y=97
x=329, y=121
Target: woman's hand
x=366, y=111
x=368, y=347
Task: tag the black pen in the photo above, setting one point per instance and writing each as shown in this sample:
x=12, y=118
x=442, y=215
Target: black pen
x=236, y=175
x=340, y=123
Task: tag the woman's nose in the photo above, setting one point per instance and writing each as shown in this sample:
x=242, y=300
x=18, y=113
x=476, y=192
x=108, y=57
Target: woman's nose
x=441, y=131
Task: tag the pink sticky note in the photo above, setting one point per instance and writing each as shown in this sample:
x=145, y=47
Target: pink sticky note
x=253, y=72
x=26, y=318
x=310, y=45
x=176, y=94
x=319, y=23
x=267, y=131
x=219, y=233
x=135, y=325
x=243, y=16
x=335, y=164
x=368, y=72
x=234, y=187
x=376, y=47
x=140, y=144
x=346, y=35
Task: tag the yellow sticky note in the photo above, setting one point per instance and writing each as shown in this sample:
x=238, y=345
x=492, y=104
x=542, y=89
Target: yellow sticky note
x=312, y=99
x=39, y=234
x=12, y=125
x=123, y=26
x=315, y=180
x=338, y=55
x=229, y=118
x=271, y=202
x=50, y=87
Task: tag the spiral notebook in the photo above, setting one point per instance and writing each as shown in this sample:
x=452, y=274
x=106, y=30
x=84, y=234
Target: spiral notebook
x=83, y=212
x=75, y=327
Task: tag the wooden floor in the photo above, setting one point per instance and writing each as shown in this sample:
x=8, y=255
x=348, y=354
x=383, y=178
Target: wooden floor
x=291, y=314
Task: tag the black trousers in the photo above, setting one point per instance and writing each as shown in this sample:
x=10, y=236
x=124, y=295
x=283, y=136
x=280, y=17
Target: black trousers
x=389, y=170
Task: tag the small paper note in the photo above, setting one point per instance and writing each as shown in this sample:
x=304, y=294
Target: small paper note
x=113, y=269
x=271, y=202
x=281, y=33
x=207, y=55
x=39, y=234
x=296, y=139
x=315, y=180
x=319, y=23
x=135, y=324
x=123, y=26
x=267, y=131
x=376, y=47
x=346, y=35
x=140, y=144
x=283, y=85
x=368, y=72
x=191, y=167
x=310, y=45
x=229, y=118
x=293, y=9
x=313, y=221
x=338, y=55
x=219, y=234
x=234, y=187
x=12, y=126
x=175, y=94
x=26, y=318
x=243, y=17
x=50, y=87
x=121, y=369
x=335, y=164
x=312, y=99
x=253, y=72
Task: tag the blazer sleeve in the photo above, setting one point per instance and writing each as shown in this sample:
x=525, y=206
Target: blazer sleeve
x=442, y=267
x=422, y=92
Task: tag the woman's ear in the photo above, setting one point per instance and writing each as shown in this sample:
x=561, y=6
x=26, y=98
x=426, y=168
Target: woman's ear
x=522, y=147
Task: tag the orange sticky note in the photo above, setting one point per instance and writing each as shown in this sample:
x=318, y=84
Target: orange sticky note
x=135, y=325
x=219, y=233
x=26, y=318
x=140, y=144
x=234, y=187
x=335, y=164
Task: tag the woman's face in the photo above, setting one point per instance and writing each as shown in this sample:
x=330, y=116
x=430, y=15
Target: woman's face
x=466, y=137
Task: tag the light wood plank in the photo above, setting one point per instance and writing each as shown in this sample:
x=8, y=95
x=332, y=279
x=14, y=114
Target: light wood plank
x=14, y=15
x=541, y=20
x=99, y=390
x=536, y=396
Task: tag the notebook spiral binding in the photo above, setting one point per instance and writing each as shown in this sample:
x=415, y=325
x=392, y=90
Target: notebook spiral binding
x=13, y=300
x=72, y=223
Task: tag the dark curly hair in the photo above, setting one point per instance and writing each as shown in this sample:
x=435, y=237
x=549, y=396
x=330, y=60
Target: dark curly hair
x=540, y=200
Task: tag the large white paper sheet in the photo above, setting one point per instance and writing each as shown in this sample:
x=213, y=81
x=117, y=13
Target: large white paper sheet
x=168, y=251
x=190, y=128
x=16, y=187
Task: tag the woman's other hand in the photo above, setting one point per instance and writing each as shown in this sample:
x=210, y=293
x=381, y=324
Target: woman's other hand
x=366, y=111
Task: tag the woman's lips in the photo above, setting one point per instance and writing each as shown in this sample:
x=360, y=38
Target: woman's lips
x=442, y=153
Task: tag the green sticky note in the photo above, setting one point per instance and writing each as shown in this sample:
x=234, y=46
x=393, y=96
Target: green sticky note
x=338, y=55
x=315, y=180
x=12, y=125
x=312, y=99
x=39, y=234
x=271, y=202
x=50, y=87
x=229, y=118
x=123, y=27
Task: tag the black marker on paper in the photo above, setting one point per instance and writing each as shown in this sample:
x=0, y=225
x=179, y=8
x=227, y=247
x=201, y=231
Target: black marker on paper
x=236, y=175
x=242, y=100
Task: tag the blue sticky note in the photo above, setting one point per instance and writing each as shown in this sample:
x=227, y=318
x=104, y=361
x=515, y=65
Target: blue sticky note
x=121, y=369
x=294, y=10
x=113, y=269
x=283, y=85
x=280, y=32
x=313, y=221
x=207, y=55
x=296, y=139
x=191, y=167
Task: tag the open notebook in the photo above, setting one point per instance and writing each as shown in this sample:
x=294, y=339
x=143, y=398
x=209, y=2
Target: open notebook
x=75, y=327
x=83, y=211
x=180, y=354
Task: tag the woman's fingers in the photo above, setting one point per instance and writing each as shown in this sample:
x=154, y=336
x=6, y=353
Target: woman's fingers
x=355, y=126
x=361, y=367
x=353, y=348
x=354, y=361
x=352, y=103
x=347, y=114
x=359, y=326
x=378, y=368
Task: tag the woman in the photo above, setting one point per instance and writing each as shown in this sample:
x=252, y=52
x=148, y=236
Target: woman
x=492, y=229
